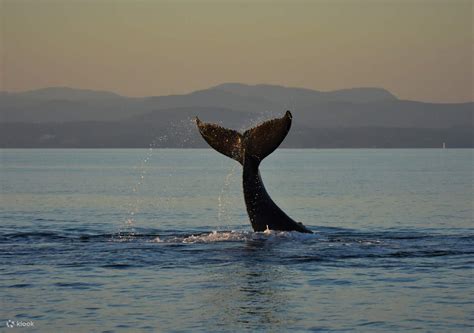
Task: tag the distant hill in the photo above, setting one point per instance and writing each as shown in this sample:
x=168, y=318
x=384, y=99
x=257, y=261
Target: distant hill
x=279, y=94
x=65, y=94
x=67, y=104
x=359, y=117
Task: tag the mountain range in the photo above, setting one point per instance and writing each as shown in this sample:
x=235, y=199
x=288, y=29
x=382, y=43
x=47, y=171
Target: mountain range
x=358, y=117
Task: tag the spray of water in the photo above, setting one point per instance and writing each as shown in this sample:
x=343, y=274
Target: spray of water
x=128, y=231
x=184, y=130
x=223, y=214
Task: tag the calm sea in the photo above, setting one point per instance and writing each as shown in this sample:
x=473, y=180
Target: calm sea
x=159, y=240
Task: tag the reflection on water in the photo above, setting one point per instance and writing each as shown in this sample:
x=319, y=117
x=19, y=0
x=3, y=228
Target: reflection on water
x=253, y=293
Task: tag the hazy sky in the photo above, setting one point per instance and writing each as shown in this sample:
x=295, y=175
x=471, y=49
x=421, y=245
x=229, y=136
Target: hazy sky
x=417, y=49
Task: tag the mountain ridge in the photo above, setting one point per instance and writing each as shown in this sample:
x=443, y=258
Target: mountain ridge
x=360, y=117
x=48, y=91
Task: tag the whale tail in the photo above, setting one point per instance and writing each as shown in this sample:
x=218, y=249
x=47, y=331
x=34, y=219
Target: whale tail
x=257, y=142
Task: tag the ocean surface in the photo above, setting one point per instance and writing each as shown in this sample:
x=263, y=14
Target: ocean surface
x=159, y=240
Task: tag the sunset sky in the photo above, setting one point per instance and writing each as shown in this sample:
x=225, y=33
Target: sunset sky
x=417, y=49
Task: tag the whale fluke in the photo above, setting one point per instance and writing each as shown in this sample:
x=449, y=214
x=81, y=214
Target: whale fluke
x=225, y=141
x=261, y=140
x=258, y=142
x=249, y=149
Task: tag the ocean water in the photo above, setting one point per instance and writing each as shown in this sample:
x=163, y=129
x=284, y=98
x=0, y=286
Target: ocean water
x=158, y=240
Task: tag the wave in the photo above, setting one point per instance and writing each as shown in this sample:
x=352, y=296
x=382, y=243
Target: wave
x=324, y=243
x=142, y=246
x=326, y=234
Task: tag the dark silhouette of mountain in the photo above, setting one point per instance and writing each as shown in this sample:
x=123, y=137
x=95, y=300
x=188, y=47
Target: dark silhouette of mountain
x=67, y=104
x=359, y=117
x=184, y=135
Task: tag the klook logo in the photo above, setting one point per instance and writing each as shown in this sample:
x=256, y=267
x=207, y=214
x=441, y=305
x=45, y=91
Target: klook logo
x=19, y=323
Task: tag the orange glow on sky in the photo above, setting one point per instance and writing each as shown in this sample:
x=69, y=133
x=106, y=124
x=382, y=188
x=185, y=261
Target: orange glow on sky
x=419, y=50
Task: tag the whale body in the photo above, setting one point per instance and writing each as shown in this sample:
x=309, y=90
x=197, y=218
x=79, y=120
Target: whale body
x=249, y=149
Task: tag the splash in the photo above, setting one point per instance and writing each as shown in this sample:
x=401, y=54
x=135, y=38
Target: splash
x=237, y=236
x=216, y=236
x=212, y=237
